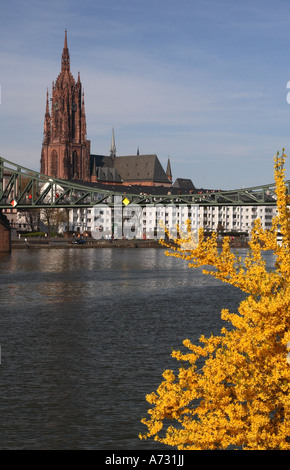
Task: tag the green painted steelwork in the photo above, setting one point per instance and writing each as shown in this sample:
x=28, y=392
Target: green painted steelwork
x=30, y=189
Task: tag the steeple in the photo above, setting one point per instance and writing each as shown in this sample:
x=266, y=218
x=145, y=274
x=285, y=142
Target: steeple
x=168, y=171
x=47, y=104
x=66, y=150
x=65, y=60
x=113, y=145
x=83, y=120
x=46, y=132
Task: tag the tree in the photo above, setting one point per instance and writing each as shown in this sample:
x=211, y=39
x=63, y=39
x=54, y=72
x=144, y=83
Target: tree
x=53, y=218
x=240, y=395
x=32, y=219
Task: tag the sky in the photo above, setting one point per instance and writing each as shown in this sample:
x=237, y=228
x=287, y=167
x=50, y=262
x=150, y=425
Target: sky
x=202, y=82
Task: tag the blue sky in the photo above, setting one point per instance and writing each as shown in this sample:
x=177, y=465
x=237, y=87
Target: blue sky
x=202, y=82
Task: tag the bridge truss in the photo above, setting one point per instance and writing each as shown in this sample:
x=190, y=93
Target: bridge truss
x=27, y=189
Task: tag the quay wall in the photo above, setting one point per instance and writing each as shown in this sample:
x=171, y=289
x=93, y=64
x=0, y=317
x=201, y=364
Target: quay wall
x=57, y=243
x=5, y=234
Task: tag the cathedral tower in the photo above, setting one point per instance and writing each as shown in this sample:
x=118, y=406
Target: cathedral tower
x=65, y=148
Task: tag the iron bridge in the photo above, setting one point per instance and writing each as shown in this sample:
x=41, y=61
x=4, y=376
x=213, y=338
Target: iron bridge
x=27, y=189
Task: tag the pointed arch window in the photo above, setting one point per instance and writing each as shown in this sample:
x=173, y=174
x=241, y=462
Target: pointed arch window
x=54, y=164
x=74, y=165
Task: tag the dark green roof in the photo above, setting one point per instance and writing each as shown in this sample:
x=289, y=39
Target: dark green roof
x=183, y=183
x=129, y=168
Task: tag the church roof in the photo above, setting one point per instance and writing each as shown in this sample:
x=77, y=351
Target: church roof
x=140, y=167
x=108, y=174
x=129, y=168
x=183, y=183
x=101, y=161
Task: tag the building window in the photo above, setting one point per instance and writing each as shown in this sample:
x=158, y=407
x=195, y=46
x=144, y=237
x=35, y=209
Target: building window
x=54, y=164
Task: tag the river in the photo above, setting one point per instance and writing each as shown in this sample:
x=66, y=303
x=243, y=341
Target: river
x=86, y=334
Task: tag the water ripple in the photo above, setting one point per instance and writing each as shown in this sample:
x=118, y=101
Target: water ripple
x=86, y=334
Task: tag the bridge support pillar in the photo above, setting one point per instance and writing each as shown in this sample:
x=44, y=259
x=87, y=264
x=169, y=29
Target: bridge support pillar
x=5, y=235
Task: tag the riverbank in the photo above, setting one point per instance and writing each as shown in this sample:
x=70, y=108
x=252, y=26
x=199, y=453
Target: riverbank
x=62, y=243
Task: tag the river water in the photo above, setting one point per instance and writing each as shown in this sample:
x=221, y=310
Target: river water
x=85, y=334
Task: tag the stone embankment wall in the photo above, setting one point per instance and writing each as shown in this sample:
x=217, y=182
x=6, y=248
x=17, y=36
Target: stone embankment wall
x=5, y=235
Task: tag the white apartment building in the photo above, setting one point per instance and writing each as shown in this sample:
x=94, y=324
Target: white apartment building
x=150, y=222
x=235, y=218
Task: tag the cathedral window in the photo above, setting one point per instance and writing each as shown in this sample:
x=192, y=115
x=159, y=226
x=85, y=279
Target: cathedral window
x=54, y=164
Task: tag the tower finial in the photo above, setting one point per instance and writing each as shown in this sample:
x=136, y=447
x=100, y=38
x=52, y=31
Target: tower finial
x=65, y=62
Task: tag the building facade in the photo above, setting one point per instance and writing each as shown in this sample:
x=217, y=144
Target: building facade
x=145, y=222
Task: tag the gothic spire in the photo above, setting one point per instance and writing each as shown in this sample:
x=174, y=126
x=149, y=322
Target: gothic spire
x=65, y=60
x=113, y=145
x=168, y=171
x=46, y=132
x=47, y=104
x=83, y=120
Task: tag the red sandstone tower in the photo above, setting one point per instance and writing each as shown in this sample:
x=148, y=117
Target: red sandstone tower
x=65, y=148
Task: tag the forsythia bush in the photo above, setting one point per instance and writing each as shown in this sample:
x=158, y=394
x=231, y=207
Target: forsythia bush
x=234, y=389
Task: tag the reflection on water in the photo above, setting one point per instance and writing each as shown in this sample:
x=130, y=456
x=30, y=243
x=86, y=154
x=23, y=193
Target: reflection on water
x=86, y=334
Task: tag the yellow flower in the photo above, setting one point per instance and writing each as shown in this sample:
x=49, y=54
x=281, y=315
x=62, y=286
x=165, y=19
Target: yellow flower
x=234, y=389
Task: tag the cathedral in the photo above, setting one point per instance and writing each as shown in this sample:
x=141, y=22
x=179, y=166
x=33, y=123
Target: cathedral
x=66, y=152
x=65, y=149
